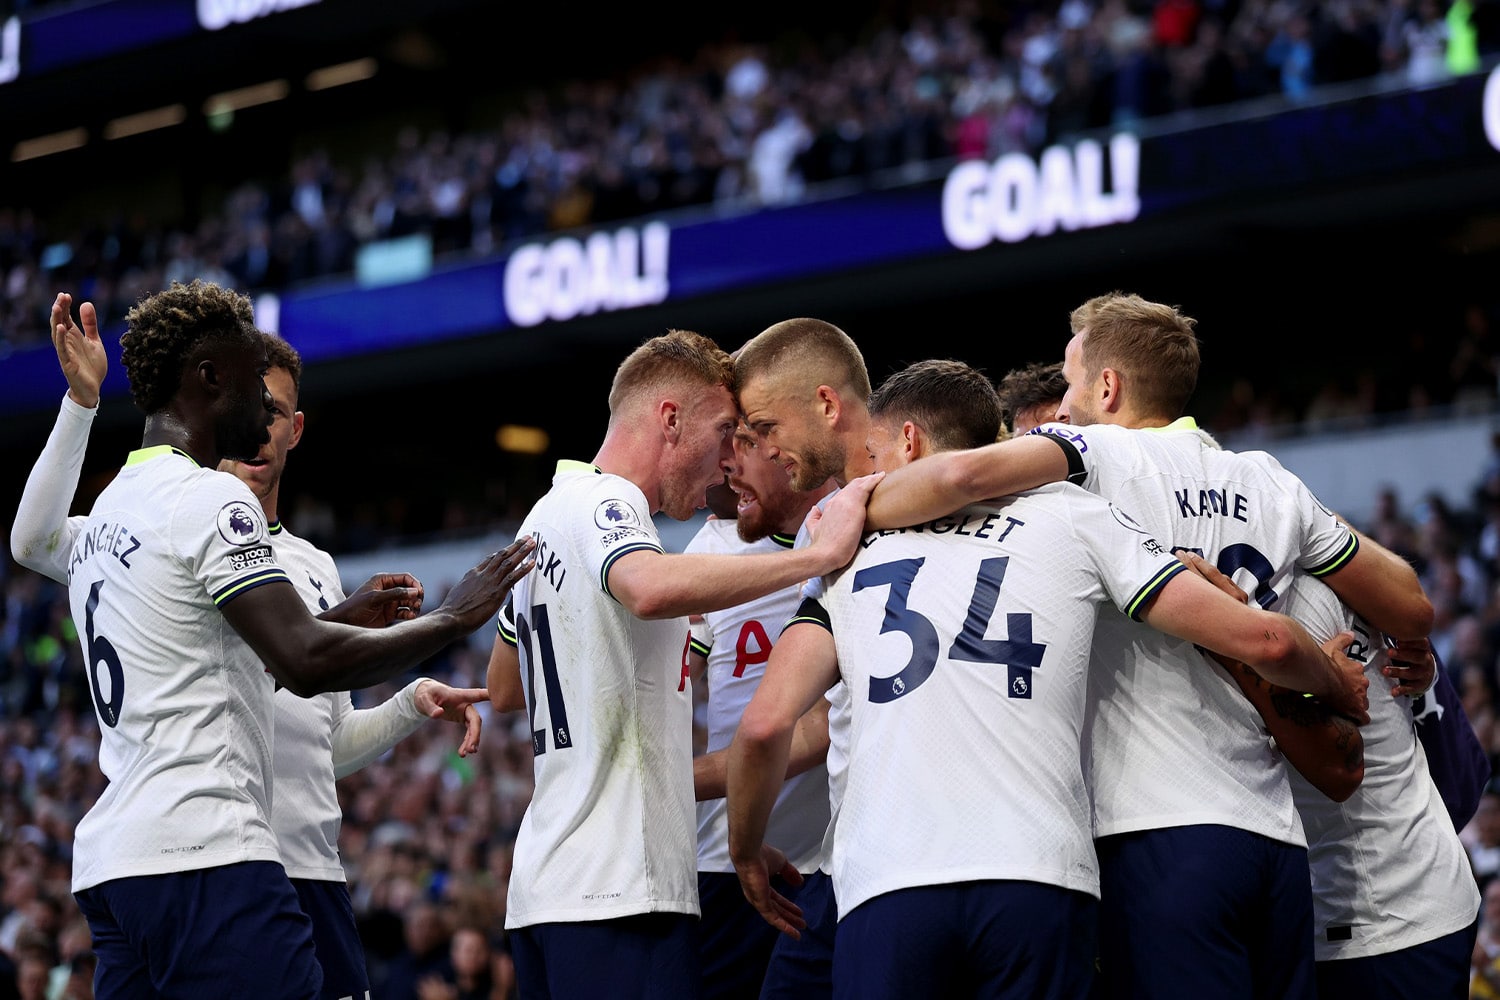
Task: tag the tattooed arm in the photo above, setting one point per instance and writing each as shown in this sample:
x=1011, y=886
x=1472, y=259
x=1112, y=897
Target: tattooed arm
x=1325, y=747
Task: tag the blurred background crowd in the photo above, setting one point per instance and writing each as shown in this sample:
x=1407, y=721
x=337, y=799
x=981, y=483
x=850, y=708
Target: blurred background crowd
x=427, y=836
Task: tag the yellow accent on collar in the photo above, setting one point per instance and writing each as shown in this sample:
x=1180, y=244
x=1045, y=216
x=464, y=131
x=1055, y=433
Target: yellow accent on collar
x=1180, y=424
x=147, y=454
x=571, y=465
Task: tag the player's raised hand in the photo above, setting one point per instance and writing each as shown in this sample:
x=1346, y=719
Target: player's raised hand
x=380, y=600
x=836, y=528
x=437, y=700
x=80, y=352
x=1413, y=667
x=755, y=881
x=476, y=598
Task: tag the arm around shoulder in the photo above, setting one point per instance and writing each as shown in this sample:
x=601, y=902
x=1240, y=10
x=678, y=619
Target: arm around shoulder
x=1383, y=589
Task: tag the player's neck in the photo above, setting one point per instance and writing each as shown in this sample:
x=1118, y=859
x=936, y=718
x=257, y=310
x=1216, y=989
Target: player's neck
x=618, y=456
x=168, y=428
x=268, y=504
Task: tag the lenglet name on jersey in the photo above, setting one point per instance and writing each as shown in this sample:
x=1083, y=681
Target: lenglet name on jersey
x=1194, y=502
x=104, y=539
x=993, y=526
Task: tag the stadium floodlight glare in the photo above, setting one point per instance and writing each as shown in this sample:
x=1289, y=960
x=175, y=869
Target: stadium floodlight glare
x=342, y=73
x=231, y=101
x=46, y=145
x=145, y=121
x=522, y=440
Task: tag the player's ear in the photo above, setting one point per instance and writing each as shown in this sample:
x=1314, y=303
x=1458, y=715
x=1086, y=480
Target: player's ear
x=207, y=373
x=1110, y=384
x=911, y=443
x=669, y=416
x=829, y=403
x=298, y=419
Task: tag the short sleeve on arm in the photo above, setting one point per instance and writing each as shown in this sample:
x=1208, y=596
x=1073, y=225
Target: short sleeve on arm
x=220, y=533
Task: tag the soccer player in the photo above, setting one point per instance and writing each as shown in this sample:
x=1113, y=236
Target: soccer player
x=604, y=861
x=317, y=739
x=1199, y=840
x=1030, y=395
x=1402, y=928
x=963, y=858
x=803, y=391
x=188, y=623
x=730, y=649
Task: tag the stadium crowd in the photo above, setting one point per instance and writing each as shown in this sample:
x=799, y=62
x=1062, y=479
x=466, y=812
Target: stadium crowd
x=742, y=124
x=427, y=835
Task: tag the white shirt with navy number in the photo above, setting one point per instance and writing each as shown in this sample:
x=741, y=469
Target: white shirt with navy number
x=610, y=828
x=184, y=705
x=321, y=738
x=1388, y=869
x=1171, y=739
x=737, y=643
x=836, y=762
x=964, y=645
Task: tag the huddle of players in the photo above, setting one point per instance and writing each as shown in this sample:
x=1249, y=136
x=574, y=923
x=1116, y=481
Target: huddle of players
x=1006, y=778
x=1038, y=785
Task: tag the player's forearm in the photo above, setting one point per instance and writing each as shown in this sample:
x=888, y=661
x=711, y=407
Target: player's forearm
x=808, y=749
x=711, y=775
x=309, y=656
x=42, y=535
x=943, y=483
x=912, y=494
x=362, y=735
x=1326, y=748
x=692, y=583
x=1387, y=594
x=503, y=677
x=1284, y=654
x=757, y=762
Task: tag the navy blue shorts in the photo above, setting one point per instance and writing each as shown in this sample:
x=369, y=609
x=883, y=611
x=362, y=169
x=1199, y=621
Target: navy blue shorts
x=804, y=967
x=335, y=938
x=234, y=931
x=1204, y=911
x=734, y=940
x=1432, y=970
x=651, y=956
x=1022, y=940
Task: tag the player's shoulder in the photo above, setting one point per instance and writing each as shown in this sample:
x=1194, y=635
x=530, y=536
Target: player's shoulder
x=717, y=535
x=289, y=544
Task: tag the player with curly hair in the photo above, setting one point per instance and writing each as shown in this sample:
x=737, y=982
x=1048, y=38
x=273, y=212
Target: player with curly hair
x=189, y=624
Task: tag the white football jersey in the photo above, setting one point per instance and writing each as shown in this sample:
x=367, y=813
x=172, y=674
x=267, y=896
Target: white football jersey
x=836, y=763
x=1388, y=869
x=737, y=642
x=1171, y=739
x=184, y=705
x=306, y=815
x=968, y=652
x=610, y=828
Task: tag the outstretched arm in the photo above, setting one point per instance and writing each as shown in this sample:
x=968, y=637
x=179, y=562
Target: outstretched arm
x=1276, y=647
x=310, y=656
x=659, y=585
x=361, y=735
x=943, y=483
x=42, y=535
